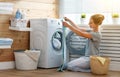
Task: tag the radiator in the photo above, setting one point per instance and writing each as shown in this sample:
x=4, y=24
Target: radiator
x=110, y=45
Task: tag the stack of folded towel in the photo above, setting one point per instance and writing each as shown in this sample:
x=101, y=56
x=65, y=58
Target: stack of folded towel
x=6, y=41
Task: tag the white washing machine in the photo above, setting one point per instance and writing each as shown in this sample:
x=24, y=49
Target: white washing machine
x=46, y=36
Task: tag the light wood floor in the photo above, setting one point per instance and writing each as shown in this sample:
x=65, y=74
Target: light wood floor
x=51, y=73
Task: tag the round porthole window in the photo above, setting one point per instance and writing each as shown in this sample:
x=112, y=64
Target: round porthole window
x=57, y=40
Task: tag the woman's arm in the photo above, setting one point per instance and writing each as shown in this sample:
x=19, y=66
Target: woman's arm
x=77, y=31
x=73, y=24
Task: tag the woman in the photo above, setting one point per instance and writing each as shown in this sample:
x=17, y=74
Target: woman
x=93, y=36
x=82, y=64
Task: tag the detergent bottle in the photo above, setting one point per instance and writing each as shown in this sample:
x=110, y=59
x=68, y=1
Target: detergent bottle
x=18, y=14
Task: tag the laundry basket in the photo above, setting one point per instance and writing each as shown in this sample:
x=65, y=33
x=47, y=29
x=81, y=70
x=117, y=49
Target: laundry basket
x=97, y=67
x=26, y=60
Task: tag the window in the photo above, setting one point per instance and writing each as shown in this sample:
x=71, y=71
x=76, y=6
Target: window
x=73, y=9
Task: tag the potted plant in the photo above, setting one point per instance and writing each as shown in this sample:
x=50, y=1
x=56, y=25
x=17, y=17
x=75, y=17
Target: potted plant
x=83, y=17
x=115, y=15
x=115, y=18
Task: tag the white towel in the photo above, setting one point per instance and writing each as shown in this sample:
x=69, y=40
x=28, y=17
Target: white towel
x=33, y=54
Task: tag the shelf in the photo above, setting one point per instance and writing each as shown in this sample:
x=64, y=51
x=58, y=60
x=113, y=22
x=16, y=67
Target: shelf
x=5, y=46
x=20, y=29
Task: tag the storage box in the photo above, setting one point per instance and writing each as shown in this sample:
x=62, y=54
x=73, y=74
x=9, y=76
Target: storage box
x=18, y=22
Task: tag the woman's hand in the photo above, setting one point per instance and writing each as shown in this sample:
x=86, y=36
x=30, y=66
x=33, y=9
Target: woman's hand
x=65, y=24
x=66, y=19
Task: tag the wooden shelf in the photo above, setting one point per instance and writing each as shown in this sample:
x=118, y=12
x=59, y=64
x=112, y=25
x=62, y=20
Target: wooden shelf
x=20, y=29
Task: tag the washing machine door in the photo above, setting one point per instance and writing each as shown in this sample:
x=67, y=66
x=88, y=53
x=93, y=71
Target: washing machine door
x=56, y=40
x=76, y=44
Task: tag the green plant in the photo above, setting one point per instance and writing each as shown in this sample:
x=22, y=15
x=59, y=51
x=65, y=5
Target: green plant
x=83, y=15
x=115, y=15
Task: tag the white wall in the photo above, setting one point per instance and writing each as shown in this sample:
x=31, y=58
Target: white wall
x=73, y=8
x=89, y=6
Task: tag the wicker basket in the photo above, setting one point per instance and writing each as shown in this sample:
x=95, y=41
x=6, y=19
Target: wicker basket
x=22, y=23
x=97, y=67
